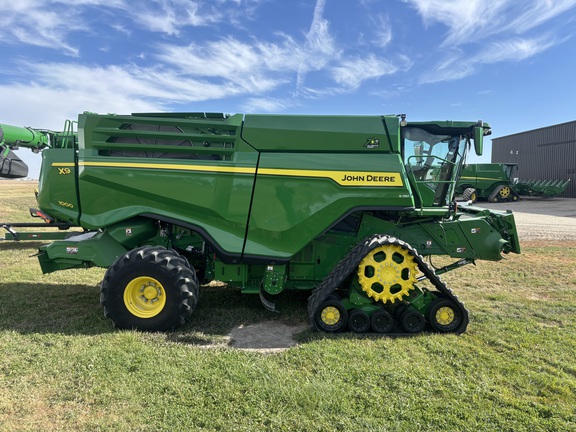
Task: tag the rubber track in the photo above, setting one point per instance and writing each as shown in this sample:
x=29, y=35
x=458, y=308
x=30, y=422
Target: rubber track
x=351, y=261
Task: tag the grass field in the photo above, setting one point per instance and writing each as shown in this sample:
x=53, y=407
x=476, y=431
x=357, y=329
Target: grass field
x=64, y=368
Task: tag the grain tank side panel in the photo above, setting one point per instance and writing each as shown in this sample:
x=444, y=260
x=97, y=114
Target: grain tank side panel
x=194, y=171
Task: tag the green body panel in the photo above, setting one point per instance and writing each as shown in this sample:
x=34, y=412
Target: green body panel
x=206, y=184
x=281, y=133
x=299, y=196
x=58, y=195
x=84, y=250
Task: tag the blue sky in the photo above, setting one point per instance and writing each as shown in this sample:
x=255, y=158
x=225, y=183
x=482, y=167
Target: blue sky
x=508, y=62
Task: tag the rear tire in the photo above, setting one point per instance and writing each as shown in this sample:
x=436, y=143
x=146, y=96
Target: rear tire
x=150, y=288
x=470, y=194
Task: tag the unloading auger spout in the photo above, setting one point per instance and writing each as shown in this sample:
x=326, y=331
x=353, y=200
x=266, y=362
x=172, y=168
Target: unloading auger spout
x=14, y=137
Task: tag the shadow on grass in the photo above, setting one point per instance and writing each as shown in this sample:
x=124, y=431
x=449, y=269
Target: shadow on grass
x=226, y=317
x=74, y=309
x=52, y=308
x=11, y=245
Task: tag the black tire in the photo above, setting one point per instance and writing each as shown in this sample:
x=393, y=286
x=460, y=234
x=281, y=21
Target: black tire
x=382, y=321
x=331, y=316
x=412, y=321
x=358, y=321
x=150, y=288
x=470, y=194
x=444, y=315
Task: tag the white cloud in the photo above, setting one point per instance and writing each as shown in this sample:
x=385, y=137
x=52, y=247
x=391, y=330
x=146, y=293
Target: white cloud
x=255, y=105
x=31, y=22
x=352, y=72
x=455, y=67
x=515, y=49
x=382, y=31
x=319, y=45
x=459, y=64
x=465, y=20
x=257, y=66
x=52, y=23
x=237, y=65
x=492, y=31
x=475, y=20
x=170, y=16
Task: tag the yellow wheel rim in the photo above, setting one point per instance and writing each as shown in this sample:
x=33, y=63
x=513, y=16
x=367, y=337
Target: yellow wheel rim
x=144, y=297
x=504, y=192
x=330, y=315
x=445, y=315
x=387, y=273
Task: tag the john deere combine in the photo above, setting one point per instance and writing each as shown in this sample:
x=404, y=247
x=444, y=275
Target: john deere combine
x=493, y=182
x=347, y=207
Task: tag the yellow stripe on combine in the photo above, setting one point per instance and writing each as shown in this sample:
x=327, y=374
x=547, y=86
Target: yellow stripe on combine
x=479, y=178
x=343, y=178
x=179, y=167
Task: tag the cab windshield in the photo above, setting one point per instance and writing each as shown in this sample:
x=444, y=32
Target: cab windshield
x=433, y=162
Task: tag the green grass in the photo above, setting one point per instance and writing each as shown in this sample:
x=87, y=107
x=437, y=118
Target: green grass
x=63, y=367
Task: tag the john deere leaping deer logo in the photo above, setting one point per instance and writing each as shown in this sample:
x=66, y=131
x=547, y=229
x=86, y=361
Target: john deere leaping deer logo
x=372, y=143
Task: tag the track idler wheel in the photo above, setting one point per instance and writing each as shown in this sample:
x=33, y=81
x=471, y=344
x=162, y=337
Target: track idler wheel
x=359, y=321
x=331, y=316
x=382, y=321
x=412, y=321
x=444, y=315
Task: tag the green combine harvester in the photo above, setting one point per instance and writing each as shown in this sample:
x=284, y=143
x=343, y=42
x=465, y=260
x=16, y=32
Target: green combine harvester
x=493, y=182
x=350, y=208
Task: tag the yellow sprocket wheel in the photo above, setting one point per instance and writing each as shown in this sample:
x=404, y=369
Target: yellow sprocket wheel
x=387, y=273
x=504, y=192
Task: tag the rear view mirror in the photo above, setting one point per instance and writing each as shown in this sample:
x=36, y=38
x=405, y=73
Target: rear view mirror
x=478, y=140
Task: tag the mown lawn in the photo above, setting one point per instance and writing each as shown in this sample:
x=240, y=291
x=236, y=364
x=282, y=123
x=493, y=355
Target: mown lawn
x=63, y=366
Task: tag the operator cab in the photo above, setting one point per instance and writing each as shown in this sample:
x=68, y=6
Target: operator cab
x=433, y=157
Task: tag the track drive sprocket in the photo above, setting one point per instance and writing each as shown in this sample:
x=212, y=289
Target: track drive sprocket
x=388, y=273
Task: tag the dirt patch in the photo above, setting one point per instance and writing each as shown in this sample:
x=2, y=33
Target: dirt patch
x=266, y=336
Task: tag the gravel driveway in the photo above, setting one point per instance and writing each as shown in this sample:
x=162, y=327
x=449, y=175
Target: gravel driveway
x=541, y=219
